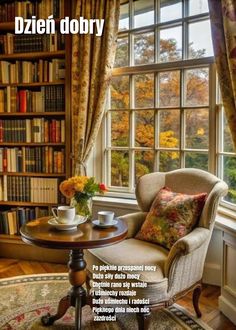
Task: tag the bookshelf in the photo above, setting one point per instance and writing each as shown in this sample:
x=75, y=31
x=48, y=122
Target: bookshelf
x=35, y=122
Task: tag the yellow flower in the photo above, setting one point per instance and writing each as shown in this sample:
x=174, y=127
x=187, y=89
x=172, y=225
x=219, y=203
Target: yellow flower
x=79, y=186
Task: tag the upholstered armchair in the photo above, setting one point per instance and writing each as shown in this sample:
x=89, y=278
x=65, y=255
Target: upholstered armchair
x=179, y=270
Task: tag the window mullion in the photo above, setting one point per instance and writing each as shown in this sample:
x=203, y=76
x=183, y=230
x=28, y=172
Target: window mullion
x=212, y=119
x=182, y=119
x=132, y=134
x=185, y=31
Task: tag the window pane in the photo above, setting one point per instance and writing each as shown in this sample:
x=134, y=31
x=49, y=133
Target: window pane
x=120, y=128
x=200, y=44
x=122, y=58
x=171, y=44
x=144, y=163
x=197, y=87
x=119, y=168
x=196, y=160
x=169, y=127
x=144, y=48
x=120, y=92
x=143, y=13
x=198, y=7
x=144, y=128
x=170, y=10
x=144, y=91
x=196, y=128
x=227, y=139
x=229, y=176
x=169, y=161
x=169, y=89
x=124, y=17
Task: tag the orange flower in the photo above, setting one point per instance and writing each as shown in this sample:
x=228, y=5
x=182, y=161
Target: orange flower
x=67, y=189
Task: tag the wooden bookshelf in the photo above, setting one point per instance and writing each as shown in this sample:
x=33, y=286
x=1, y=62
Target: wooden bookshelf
x=33, y=114
x=8, y=27
x=46, y=175
x=35, y=84
x=33, y=55
x=25, y=144
x=27, y=204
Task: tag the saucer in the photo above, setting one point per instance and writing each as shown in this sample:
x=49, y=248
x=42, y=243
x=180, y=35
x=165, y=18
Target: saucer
x=67, y=226
x=104, y=225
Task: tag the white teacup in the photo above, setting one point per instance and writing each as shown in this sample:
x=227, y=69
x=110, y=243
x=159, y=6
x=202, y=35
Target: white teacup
x=105, y=217
x=64, y=214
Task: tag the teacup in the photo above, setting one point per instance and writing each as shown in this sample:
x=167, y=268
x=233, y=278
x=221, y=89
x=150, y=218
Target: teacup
x=105, y=217
x=64, y=214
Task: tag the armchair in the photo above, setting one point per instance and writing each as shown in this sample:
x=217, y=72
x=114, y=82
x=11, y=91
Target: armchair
x=178, y=270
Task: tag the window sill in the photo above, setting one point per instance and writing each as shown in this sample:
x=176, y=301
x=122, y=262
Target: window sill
x=225, y=219
x=126, y=203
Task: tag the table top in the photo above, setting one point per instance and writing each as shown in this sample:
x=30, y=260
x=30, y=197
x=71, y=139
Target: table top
x=86, y=236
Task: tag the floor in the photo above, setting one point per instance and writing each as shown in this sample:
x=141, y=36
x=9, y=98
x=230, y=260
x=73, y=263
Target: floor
x=208, y=299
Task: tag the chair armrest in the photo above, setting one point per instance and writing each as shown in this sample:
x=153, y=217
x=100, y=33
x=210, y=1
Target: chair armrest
x=187, y=244
x=134, y=222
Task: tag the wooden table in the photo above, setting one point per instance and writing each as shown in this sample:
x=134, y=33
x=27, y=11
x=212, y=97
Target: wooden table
x=40, y=233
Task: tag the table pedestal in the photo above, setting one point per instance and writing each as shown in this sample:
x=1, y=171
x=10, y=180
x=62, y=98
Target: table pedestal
x=77, y=295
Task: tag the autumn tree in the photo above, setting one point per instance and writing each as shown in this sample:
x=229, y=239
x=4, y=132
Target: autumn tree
x=196, y=92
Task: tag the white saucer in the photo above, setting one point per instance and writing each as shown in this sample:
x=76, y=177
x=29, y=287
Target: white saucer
x=104, y=225
x=67, y=226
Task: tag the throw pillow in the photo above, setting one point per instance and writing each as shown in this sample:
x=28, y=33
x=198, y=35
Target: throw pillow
x=172, y=216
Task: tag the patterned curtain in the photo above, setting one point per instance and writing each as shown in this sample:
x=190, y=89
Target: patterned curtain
x=92, y=63
x=223, y=26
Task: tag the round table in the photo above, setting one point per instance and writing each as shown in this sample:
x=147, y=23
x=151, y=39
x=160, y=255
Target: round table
x=87, y=236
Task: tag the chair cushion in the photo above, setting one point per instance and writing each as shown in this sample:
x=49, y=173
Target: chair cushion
x=134, y=252
x=172, y=216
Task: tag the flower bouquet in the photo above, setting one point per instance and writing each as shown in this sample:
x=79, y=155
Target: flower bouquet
x=80, y=190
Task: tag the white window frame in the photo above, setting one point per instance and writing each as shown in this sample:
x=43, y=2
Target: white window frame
x=155, y=68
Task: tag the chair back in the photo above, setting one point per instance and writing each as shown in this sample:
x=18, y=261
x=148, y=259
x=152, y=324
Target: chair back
x=188, y=181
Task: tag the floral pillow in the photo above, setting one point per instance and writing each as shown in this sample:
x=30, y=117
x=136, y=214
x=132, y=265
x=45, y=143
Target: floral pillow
x=172, y=216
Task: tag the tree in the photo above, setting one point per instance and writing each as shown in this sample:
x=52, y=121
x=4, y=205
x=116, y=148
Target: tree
x=169, y=120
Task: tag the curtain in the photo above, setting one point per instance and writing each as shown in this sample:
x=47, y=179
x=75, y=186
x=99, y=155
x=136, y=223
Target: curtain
x=223, y=27
x=92, y=62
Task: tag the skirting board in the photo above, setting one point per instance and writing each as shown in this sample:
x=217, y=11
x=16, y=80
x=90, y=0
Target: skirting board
x=212, y=274
x=228, y=309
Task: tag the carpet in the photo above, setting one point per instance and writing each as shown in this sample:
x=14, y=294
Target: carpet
x=24, y=299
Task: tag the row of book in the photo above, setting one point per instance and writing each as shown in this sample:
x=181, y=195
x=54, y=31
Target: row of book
x=30, y=189
x=12, y=44
x=26, y=9
x=37, y=159
x=46, y=99
x=29, y=72
x=36, y=130
x=11, y=220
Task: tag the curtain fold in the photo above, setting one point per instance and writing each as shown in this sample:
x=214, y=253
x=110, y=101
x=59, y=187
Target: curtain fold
x=223, y=27
x=92, y=62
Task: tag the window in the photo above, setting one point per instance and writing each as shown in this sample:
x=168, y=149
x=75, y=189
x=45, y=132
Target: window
x=161, y=106
x=227, y=160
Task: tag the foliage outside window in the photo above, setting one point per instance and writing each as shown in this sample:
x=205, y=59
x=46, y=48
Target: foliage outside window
x=227, y=160
x=161, y=107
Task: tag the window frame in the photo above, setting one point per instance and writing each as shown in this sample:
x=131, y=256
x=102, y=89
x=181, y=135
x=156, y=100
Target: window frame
x=156, y=68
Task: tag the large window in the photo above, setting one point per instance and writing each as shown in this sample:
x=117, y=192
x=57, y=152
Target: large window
x=161, y=107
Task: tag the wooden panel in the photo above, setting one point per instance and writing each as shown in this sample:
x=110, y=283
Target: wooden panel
x=230, y=276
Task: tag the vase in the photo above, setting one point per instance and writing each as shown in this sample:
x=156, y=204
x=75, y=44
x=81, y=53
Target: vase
x=82, y=207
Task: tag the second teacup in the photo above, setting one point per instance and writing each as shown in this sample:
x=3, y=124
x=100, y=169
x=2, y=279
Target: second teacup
x=64, y=214
x=105, y=217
